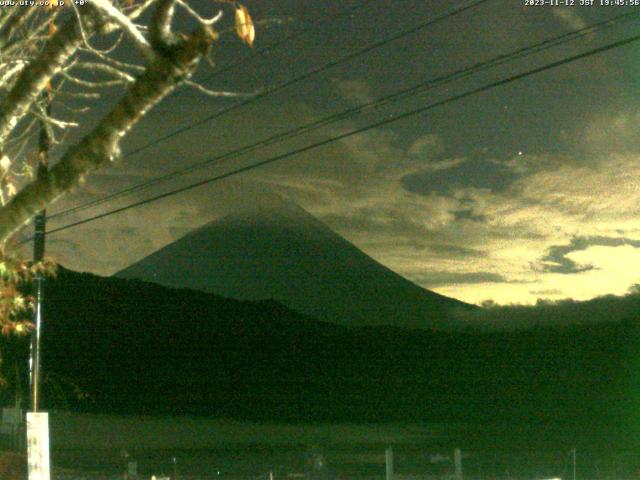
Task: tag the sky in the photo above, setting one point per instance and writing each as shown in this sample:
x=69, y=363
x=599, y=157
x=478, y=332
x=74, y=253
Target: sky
x=523, y=192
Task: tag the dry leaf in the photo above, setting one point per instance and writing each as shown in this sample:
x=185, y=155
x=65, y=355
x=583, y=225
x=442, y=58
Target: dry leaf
x=5, y=164
x=11, y=189
x=7, y=328
x=244, y=25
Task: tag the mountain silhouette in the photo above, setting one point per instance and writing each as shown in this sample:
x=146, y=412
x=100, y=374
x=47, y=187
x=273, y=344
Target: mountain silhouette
x=277, y=250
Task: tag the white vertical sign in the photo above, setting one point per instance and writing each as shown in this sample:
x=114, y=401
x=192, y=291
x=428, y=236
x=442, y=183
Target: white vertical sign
x=38, y=445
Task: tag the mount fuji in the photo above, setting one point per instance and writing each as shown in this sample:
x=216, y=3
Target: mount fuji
x=276, y=250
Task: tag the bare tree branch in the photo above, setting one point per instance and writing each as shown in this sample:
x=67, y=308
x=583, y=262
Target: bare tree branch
x=14, y=20
x=196, y=15
x=84, y=95
x=101, y=145
x=115, y=15
x=34, y=79
x=117, y=73
x=49, y=120
x=138, y=10
x=117, y=63
x=160, y=29
x=10, y=72
x=92, y=84
x=216, y=93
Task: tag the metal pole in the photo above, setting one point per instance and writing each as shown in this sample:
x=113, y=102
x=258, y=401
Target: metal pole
x=457, y=460
x=35, y=360
x=388, y=455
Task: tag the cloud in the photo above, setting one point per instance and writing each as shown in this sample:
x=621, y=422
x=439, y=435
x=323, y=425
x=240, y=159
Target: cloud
x=355, y=90
x=569, y=17
x=478, y=173
x=556, y=260
x=468, y=214
x=612, y=132
x=547, y=291
x=427, y=147
x=450, y=250
x=439, y=278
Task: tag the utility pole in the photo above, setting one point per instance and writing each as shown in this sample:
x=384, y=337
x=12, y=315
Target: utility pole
x=40, y=224
x=35, y=361
x=388, y=455
x=38, y=422
x=457, y=460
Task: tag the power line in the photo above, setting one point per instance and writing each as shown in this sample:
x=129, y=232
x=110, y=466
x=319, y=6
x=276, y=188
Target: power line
x=371, y=126
x=289, y=83
x=397, y=96
x=310, y=73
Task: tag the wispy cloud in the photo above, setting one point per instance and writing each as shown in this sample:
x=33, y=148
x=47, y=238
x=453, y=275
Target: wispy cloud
x=570, y=17
x=355, y=90
x=435, y=279
x=557, y=261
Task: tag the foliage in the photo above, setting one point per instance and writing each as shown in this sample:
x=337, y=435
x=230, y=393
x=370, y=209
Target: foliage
x=16, y=306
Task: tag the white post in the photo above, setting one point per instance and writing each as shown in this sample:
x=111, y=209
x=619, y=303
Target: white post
x=38, y=445
x=388, y=455
x=457, y=458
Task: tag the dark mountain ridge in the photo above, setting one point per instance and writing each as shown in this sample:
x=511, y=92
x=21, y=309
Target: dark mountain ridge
x=134, y=347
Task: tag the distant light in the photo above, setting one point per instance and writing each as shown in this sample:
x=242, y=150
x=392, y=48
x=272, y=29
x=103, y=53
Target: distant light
x=520, y=153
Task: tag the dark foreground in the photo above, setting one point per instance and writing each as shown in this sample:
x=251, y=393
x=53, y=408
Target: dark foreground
x=100, y=446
